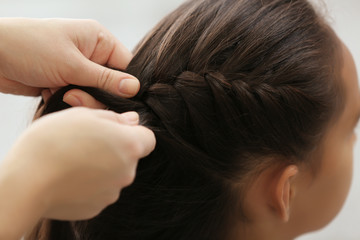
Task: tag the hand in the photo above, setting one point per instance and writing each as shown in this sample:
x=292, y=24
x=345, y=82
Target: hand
x=39, y=54
x=71, y=165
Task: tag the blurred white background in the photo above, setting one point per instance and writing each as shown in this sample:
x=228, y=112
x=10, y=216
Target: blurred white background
x=129, y=20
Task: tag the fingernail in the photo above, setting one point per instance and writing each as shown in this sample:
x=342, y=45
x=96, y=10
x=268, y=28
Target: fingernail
x=72, y=100
x=131, y=117
x=129, y=86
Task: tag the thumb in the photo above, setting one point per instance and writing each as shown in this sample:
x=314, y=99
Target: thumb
x=114, y=81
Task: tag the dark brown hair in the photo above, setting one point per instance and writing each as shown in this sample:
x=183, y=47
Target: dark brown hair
x=225, y=84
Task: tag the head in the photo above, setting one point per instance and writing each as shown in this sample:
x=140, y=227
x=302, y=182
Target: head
x=253, y=104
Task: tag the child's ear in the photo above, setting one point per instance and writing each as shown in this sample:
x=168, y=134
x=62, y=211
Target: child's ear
x=282, y=191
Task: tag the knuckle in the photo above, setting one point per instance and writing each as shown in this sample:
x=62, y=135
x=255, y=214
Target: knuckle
x=92, y=22
x=135, y=149
x=97, y=208
x=129, y=178
x=113, y=197
x=104, y=79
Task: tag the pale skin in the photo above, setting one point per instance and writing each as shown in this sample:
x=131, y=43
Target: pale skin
x=286, y=201
x=62, y=166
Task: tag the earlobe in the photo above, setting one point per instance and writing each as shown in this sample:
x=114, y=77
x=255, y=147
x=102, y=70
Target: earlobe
x=283, y=191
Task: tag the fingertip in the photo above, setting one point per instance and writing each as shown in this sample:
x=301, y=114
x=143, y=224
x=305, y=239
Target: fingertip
x=46, y=94
x=53, y=90
x=72, y=100
x=148, y=139
x=77, y=97
x=131, y=118
x=128, y=118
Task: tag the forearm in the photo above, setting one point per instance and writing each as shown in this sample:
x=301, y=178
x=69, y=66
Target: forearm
x=20, y=208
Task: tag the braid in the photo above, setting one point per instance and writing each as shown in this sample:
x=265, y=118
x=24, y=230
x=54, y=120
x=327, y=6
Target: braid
x=227, y=86
x=191, y=106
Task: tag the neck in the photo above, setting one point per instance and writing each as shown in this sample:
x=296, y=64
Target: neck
x=259, y=231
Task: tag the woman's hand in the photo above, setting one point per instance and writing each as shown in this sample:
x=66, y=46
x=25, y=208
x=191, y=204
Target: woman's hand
x=70, y=165
x=38, y=54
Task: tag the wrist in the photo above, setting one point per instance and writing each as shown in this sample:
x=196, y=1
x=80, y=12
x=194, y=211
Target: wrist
x=21, y=206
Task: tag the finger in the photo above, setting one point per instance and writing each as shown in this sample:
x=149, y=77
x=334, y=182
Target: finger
x=46, y=94
x=130, y=118
x=77, y=97
x=94, y=75
x=38, y=112
x=12, y=87
x=53, y=90
x=111, y=52
x=144, y=138
x=120, y=57
x=141, y=135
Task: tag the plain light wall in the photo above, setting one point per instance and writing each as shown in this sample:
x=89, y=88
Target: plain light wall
x=129, y=20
